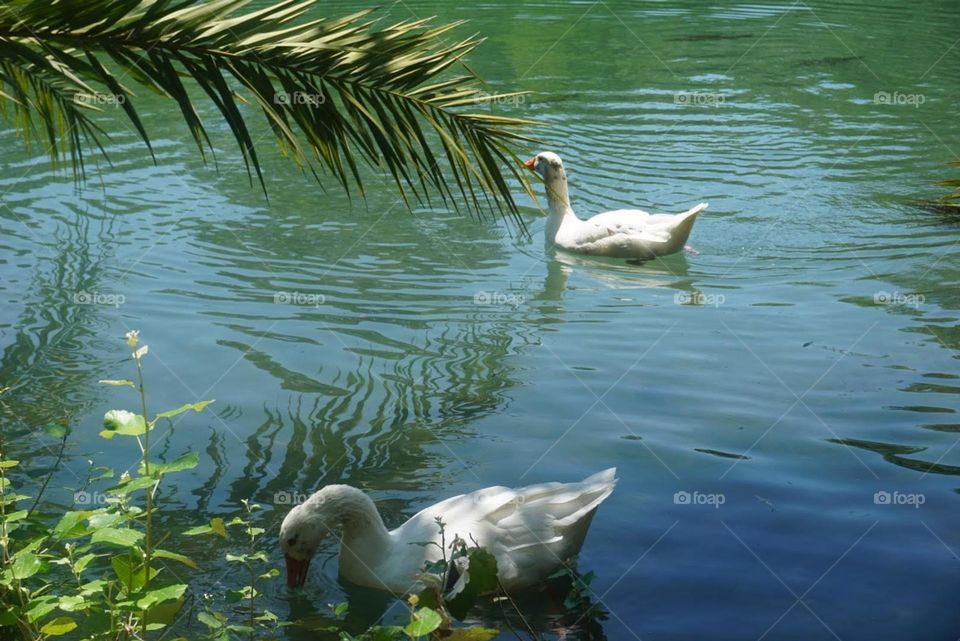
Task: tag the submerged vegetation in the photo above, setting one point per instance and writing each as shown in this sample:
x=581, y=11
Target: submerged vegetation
x=947, y=205
x=951, y=200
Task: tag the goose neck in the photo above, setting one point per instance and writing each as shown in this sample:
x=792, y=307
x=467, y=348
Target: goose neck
x=361, y=523
x=558, y=197
x=558, y=201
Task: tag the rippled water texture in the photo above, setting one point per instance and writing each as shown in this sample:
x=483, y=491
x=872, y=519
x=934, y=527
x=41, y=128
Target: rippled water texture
x=758, y=398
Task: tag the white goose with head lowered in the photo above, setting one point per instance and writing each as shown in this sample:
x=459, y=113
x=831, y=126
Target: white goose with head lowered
x=623, y=233
x=530, y=530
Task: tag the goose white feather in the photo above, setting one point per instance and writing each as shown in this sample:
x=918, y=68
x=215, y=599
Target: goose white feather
x=622, y=233
x=531, y=531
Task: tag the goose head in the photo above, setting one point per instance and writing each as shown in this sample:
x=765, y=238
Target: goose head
x=548, y=166
x=334, y=508
x=301, y=533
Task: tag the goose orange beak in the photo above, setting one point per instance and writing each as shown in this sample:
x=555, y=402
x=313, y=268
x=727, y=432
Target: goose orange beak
x=530, y=163
x=296, y=572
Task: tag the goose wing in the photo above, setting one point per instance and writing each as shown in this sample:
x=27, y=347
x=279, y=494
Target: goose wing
x=531, y=530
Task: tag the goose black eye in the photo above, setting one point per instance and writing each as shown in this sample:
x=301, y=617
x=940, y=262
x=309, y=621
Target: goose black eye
x=292, y=541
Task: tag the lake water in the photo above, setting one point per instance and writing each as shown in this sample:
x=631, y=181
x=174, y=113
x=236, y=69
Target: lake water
x=781, y=408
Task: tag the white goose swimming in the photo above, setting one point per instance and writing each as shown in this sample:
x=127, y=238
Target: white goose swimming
x=530, y=531
x=623, y=233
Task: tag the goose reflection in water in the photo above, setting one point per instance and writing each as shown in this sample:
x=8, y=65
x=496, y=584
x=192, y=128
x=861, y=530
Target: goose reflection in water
x=672, y=272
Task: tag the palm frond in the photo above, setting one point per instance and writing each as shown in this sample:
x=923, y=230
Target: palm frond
x=336, y=93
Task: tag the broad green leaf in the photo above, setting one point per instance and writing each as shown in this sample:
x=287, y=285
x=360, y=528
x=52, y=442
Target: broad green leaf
x=170, y=592
x=123, y=568
x=233, y=596
x=71, y=603
x=196, y=407
x=92, y=587
x=185, y=462
x=216, y=526
x=16, y=516
x=124, y=423
x=139, y=483
x=131, y=574
x=164, y=613
x=11, y=499
x=25, y=565
x=56, y=430
x=59, y=626
x=31, y=545
x=104, y=473
x=82, y=562
x=209, y=620
x=124, y=537
x=241, y=629
x=102, y=518
x=385, y=632
x=8, y=463
x=166, y=554
x=117, y=382
x=40, y=607
x=423, y=622
x=243, y=594
x=198, y=530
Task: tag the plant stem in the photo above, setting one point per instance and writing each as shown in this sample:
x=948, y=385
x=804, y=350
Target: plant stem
x=56, y=465
x=253, y=578
x=148, y=522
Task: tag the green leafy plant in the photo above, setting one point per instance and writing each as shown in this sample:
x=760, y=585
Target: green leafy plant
x=255, y=564
x=424, y=623
x=98, y=573
x=338, y=93
x=580, y=601
x=451, y=586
